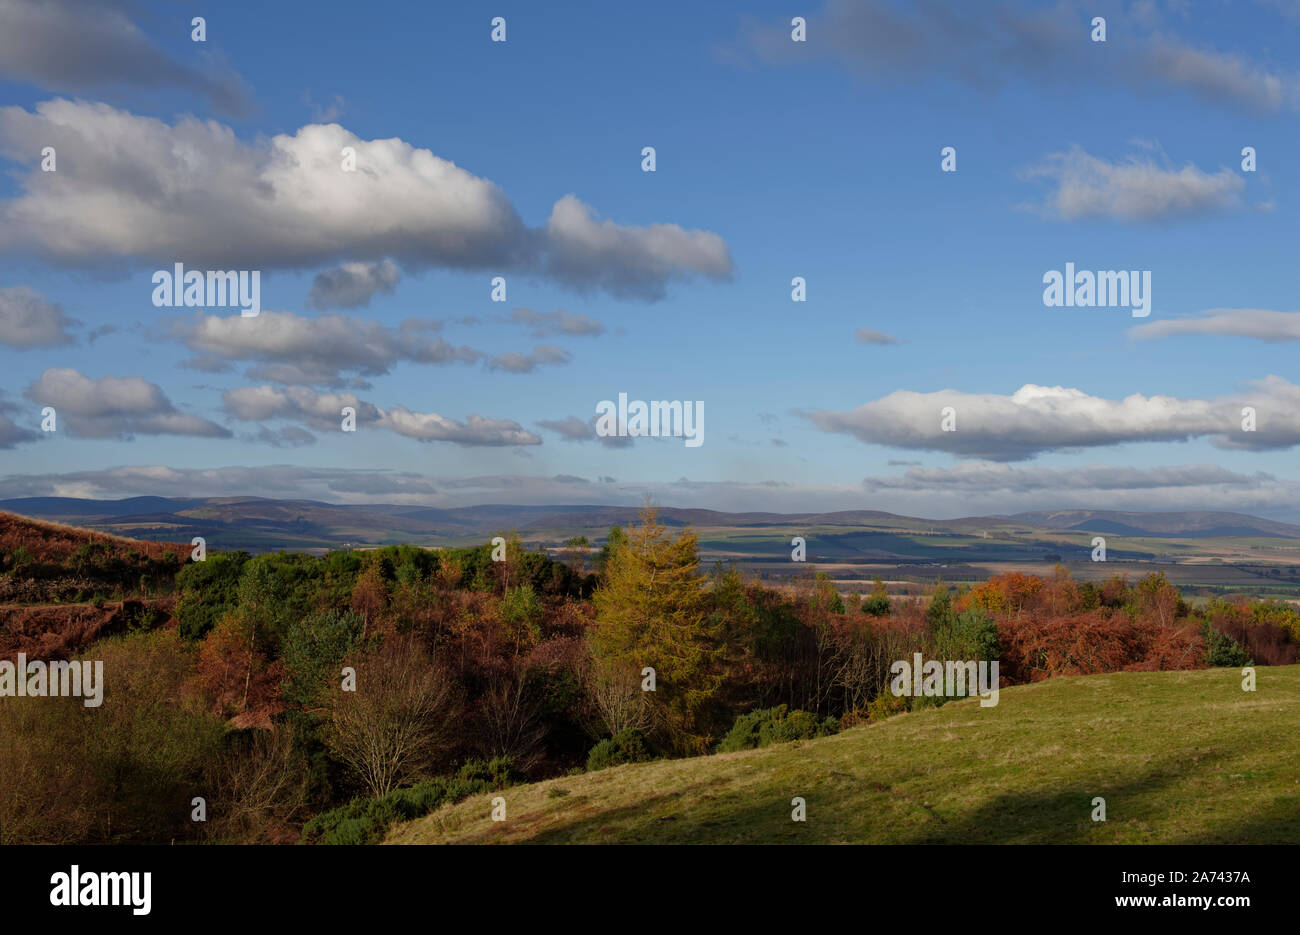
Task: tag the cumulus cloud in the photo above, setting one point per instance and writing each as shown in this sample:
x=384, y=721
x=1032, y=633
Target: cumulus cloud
x=90, y=45
x=28, y=319
x=192, y=191
x=294, y=349
x=114, y=407
x=585, y=252
x=514, y=362
x=544, y=324
x=353, y=285
x=1037, y=419
x=1263, y=324
x=991, y=45
x=324, y=412
x=871, y=336
x=1137, y=189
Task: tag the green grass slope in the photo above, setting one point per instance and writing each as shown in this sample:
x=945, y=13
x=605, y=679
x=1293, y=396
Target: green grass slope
x=1180, y=757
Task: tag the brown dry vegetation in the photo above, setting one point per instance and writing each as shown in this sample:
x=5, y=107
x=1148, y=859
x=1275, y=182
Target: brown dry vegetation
x=61, y=631
x=50, y=542
x=62, y=588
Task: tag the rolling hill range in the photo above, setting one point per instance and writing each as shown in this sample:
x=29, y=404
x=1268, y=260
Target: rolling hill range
x=1025, y=771
x=247, y=521
x=1186, y=525
x=1210, y=549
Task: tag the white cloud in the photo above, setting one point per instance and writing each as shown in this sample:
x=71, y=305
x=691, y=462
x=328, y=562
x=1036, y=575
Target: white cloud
x=295, y=349
x=989, y=45
x=475, y=430
x=1134, y=190
x=193, y=192
x=114, y=407
x=28, y=319
x=324, y=412
x=585, y=252
x=1258, y=323
x=514, y=362
x=1037, y=419
x=80, y=46
x=353, y=285
x=573, y=429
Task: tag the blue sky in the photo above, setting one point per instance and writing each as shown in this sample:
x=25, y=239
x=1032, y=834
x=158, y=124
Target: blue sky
x=774, y=160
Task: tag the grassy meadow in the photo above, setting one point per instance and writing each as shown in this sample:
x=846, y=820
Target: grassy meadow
x=1180, y=757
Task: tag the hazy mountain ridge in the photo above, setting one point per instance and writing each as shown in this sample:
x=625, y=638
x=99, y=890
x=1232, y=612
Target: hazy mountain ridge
x=258, y=523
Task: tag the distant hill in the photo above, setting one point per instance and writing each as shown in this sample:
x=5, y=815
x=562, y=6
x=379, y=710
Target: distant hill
x=260, y=524
x=1187, y=525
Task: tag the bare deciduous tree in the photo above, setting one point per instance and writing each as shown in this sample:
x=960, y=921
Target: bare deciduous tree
x=257, y=784
x=392, y=728
x=511, y=714
x=615, y=692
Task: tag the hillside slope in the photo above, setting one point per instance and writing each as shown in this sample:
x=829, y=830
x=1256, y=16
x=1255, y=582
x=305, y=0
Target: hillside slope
x=1180, y=757
x=63, y=587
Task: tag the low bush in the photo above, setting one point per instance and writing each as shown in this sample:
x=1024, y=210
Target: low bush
x=775, y=725
x=366, y=821
x=627, y=746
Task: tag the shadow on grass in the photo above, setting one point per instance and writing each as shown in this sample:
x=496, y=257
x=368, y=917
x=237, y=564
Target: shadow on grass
x=1050, y=815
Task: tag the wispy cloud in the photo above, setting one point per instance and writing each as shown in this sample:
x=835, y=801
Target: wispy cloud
x=995, y=44
x=871, y=336
x=1259, y=323
x=80, y=47
x=1137, y=189
x=545, y=324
